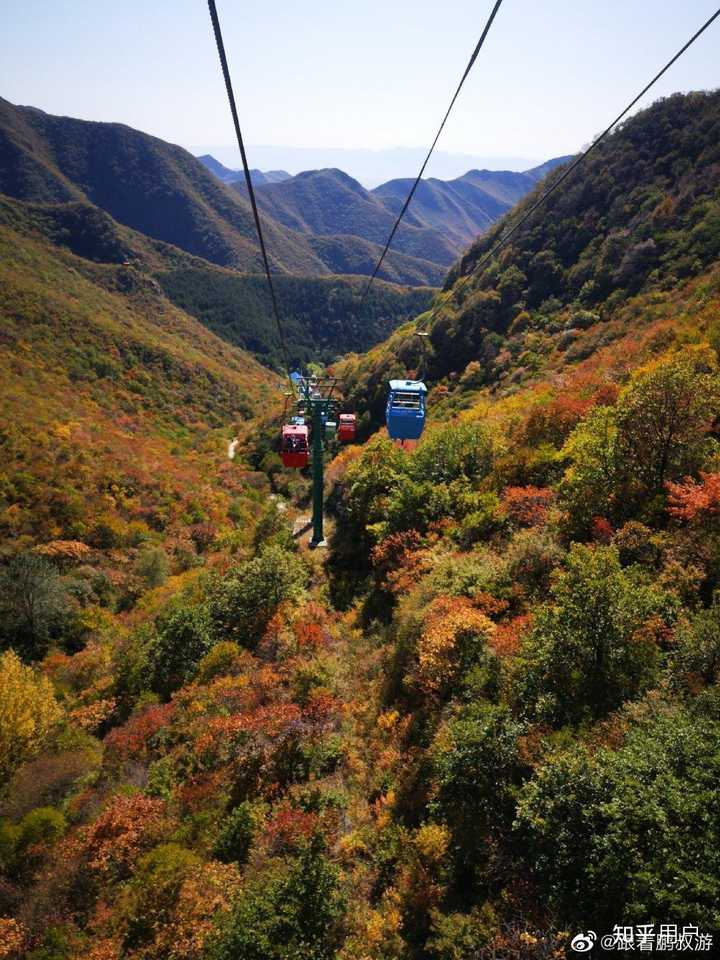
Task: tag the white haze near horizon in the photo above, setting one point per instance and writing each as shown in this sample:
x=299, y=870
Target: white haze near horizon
x=369, y=167
x=372, y=75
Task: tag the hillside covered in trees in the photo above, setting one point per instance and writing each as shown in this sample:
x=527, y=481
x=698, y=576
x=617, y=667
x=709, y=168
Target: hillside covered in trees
x=323, y=316
x=487, y=719
x=164, y=192
x=638, y=219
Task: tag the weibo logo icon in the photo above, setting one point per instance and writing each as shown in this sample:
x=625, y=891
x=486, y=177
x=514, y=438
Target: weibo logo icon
x=583, y=942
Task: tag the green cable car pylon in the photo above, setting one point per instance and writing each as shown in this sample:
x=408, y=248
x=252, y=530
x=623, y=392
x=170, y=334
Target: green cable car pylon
x=318, y=405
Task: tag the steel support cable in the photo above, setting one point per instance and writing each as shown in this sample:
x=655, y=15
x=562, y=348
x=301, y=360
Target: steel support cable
x=415, y=185
x=248, y=182
x=573, y=166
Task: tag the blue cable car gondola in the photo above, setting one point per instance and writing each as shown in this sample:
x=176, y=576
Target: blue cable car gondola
x=405, y=410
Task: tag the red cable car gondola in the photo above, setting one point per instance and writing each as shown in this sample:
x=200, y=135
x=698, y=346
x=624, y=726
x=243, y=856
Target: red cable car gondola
x=347, y=427
x=294, y=450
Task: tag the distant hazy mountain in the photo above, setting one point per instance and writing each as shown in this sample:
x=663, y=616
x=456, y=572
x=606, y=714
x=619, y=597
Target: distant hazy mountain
x=223, y=172
x=370, y=167
x=269, y=176
x=228, y=175
x=462, y=208
x=444, y=217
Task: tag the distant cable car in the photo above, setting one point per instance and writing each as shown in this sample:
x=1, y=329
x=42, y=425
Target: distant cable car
x=294, y=450
x=405, y=410
x=347, y=427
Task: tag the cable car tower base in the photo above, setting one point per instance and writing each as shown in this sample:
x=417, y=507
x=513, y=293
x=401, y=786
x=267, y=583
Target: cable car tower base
x=319, y=405
x=319, y=414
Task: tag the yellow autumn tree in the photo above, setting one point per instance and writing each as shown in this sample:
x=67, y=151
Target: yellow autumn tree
x=28, y=713
x=12, y=938
x=449, y=622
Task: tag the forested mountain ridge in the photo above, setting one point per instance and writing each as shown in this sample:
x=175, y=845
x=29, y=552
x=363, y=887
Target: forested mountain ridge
x=464, y=207
x=642, y=212
x=162, y=191
x=154, y=187
x=444, y=217
x=329, y=202
x=549, y=554
x=78, y=182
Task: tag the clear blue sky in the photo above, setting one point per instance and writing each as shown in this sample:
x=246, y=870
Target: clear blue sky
x=376, y=74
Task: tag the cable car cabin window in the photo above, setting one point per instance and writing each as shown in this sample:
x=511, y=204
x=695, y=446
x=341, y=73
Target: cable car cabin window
x=295, y=444
x=409, y=401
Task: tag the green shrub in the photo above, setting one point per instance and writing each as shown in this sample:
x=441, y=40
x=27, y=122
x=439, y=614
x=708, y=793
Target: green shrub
x=184, y=637
x=9, y=839
x=531, y=557
x=631, y=833
x=593, y=645
x=242, y=604
x=152, y=566
x=621, y=457
x=42, y=825
x=478, y=773
x=218, y=661
x=452, y=451
x=58, y=943
x=133, y=661
x=697, y=654
x=237, y=832
x=290, y=911
x=482, y=520
x=161, y=778
x=34, y=605
x=460, y=936
x=467, y=575
x=152, y=893
x=273, y=527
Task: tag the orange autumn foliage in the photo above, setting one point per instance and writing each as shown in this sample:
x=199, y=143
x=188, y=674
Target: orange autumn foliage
x=311, y=627
x=271, y=721
x=128, y=826
x=394, y=548
x=203, y=896
x=132, y=741
x=322, y=707
x=199, y=791
x=489, y=605
x=12, y=938
x=602, y=530
x=692, y=501
x=398, y=560
x=527, y=506
x=506, y=639
x=91, y=715
x=288, y=827
x=554, y=421
x=448, y=621
x=107, y=949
